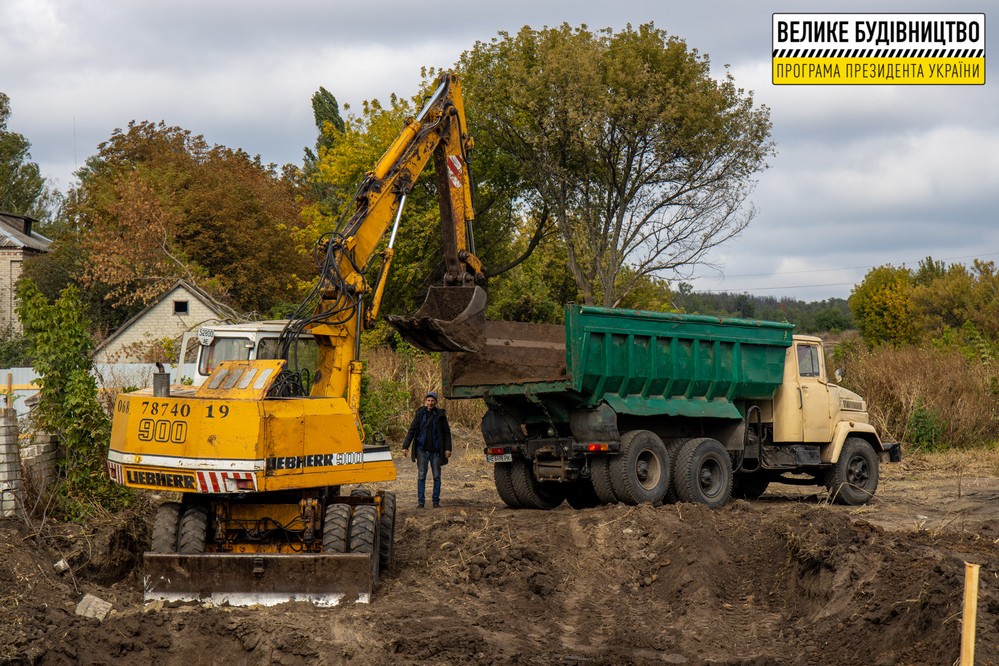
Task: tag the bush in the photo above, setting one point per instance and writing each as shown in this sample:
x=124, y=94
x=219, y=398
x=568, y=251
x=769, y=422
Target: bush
x=926, y=398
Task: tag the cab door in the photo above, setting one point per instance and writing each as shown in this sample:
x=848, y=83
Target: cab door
x=816, y=416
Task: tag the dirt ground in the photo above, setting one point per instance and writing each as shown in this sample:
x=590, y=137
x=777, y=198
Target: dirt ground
x=787, y=579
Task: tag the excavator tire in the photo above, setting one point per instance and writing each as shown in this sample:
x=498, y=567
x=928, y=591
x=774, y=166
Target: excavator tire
x=386, y=531
x=364, y=535
x=166, y=528
x=193, y=530
x=335, y=525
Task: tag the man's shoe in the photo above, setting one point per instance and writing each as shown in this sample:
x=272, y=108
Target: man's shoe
x=419, y=506
x=437, y=505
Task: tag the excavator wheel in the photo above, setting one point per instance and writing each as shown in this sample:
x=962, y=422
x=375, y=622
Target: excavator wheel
x=364, y=535
x=166, y=528
x=193, y=530
x=335, y=526
x=386, y=531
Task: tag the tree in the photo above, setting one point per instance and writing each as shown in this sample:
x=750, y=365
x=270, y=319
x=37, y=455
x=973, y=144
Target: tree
x=642, y=158
x=23, y=190
x=157, y=203
x=883, y=308
x=68, y=406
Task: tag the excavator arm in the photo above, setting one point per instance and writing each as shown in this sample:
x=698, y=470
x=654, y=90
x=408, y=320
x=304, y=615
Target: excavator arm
x=452, y=316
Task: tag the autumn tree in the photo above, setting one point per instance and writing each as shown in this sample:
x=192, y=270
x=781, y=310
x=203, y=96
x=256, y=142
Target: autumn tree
x=883, y=308
x=23, y=190
x=158, y=203
x=642, y=159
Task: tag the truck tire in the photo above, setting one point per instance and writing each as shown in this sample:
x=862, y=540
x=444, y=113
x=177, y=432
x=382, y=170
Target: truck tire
x=364, y=535
x=673, y=447
x=360, y=492
x=503, y=477
x=640, y=474
x=386, y=531
x=336, y=523
x=193, y=530
x=601, y=480
x=581, y=495
x=749, y=486
x=531, y=493
x=166, y=528
x=702, y=473
x=853, y=479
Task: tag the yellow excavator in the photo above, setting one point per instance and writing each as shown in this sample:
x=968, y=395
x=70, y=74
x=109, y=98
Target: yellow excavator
x=260, y=450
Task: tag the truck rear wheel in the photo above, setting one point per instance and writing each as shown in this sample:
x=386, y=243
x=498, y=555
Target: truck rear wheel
x=503, y=477
x=193, y=530
x=703, y=473
x=640, y=473
x=166, y=528
x=531, y=493
x=854, y=477
x=335, y=525
x=601, y=480
x=386, y=530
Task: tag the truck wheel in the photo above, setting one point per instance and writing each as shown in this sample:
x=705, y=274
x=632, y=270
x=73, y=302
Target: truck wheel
x=750, y=486
x=601, y=480
x=640, y=474
x=360, y=492
x=166, y=528
x=364, y=535
x=581, y=495
x=336, y=522
x=386, y=530
x=503, y=477
x=703, y=473
x=673, y=447
x=531, y=493
x=193, y=530
x=854, y=477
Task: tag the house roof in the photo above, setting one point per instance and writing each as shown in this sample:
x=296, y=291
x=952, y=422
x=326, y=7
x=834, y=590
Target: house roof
x=195, y=291
x=16, y=232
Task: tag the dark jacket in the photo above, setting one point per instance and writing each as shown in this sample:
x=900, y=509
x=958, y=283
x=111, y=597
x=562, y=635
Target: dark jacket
x=437, y=431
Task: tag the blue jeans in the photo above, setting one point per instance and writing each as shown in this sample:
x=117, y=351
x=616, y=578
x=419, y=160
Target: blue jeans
x=425, y=459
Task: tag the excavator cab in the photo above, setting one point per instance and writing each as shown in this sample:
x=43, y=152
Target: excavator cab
x=451, y=319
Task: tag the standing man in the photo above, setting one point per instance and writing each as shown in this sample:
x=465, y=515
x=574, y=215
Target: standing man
x=432, y=436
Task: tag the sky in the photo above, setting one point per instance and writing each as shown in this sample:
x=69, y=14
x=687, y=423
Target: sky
x=863, y=176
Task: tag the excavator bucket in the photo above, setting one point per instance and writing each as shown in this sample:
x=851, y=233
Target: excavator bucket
x=450, y=319
x=259, y=579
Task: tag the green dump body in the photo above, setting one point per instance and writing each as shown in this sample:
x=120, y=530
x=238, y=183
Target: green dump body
x=638, y=362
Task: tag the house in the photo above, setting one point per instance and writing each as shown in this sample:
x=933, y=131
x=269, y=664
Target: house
x=18, y=241
x=147, y=336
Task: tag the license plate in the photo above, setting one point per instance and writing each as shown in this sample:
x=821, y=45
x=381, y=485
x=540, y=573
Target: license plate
x=502, y=457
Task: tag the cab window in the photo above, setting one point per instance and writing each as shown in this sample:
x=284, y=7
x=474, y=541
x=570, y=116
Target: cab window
x=224, y=349
x=304, y=352
x=808, y=361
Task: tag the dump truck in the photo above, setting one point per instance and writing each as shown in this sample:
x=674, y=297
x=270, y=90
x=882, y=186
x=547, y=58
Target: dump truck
x=633, y=406
x=259, y=452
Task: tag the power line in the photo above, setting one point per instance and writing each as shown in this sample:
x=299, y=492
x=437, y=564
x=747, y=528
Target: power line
x=830, y=270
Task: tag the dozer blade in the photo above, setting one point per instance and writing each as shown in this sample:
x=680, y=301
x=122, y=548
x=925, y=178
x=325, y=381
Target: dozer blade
x=259, y=579
x=450, y=319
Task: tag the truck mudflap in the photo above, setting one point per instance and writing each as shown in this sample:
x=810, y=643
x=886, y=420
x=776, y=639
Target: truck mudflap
x=260, y=579
x=450, y=319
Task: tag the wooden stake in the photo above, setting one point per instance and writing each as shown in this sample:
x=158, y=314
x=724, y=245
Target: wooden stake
x=970, y=614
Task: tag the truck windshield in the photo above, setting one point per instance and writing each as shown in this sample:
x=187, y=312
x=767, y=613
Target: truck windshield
x=223, y=349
